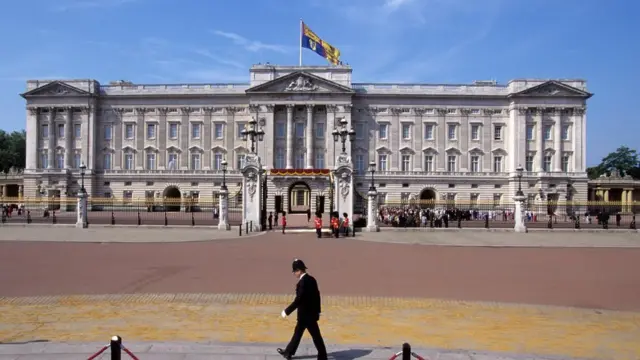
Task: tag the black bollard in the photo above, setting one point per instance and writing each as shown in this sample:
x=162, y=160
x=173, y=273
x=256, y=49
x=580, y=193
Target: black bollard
x=550, y=223
x=486, y=222
x=406, y=351
x=193, y=220
x=577, y=222
x=54, y=220
x=459, y=222
x=251, y=225
x=246, y=228
x=139, y=219
x=166, y=220
x=431, y=221
x=633, y=223
x=240, y=230
x=113, y=218
x=29, y=217
x=116, y=348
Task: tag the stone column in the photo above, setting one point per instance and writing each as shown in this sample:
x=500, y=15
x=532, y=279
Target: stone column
x=252, y=192
x=290, y=136
x=557, y=142
x=539, y=140
x=81, y=222
x=20, y=191
x=606, y=195
x=519, y=225
x=630, y=200
x=372, y=216
x=141, y=134
x=52, y=138
x=3, y=188
x=343, y=186
x=309, y=137
x=68, y=137
x=223, y=198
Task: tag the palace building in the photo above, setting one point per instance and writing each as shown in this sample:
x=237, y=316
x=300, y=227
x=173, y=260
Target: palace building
x=459, y=142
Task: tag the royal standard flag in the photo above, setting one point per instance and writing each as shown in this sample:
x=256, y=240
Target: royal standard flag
x=313, y=42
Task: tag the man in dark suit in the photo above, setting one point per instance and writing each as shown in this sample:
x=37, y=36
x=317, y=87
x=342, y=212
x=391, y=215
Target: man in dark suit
x=308, y=304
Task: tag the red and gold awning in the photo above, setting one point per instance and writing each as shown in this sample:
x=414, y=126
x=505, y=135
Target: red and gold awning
x=299, y=172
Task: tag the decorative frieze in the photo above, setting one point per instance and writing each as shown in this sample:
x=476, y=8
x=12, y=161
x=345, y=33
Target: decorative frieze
x=332, y=108
x=347, y=108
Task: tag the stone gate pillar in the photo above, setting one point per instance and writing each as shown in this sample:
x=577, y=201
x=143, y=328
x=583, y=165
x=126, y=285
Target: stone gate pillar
x=81, y=222
x=223, y=211
x=252, y=191
x=343, y=186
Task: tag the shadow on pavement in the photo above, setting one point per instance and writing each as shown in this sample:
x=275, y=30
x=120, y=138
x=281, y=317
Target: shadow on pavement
x=350, y=354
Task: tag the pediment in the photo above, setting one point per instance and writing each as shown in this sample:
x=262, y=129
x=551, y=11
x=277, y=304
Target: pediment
x=240, y=149
x=406, y=149
x=554, y=88
x=383, y=149
x=129, y=148
x=196, y=148
x=150, y=148
x=430, y=149
x=476, y=150
x=453, y=149
x=174, y=149
x=499, y=151
x=218, y=149
x=107, y=149
x=549, y=150
x=300, y=82
x=56, y=88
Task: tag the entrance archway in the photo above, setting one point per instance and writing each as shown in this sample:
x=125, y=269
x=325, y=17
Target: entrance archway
x=299, y=198
x=427, y=199
x=172, y=198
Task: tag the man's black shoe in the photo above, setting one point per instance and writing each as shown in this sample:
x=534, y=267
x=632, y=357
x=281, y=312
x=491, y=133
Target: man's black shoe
x=284, y=354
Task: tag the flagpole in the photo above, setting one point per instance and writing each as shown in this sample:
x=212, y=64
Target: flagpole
x=300, y=44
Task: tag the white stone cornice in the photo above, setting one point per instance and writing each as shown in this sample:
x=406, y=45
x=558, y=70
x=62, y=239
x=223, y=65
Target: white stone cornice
x=441, y=111
x=331, y=108
x=419, y=111
x=347, y=108
x=33, y=110
x=254, y=108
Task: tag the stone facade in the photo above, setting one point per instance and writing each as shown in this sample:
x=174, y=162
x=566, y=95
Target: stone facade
x=459, y=142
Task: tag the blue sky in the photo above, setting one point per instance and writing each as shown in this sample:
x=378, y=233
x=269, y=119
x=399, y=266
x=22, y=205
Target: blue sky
x=435, y=41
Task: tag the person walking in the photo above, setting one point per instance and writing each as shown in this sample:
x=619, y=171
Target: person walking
x=308, y=304
x=335, y=225
x=318, y=224
x=345, y=224
x=284, y=221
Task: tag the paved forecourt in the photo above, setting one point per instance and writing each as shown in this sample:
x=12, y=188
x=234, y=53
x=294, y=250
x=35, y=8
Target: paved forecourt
x=584, y=302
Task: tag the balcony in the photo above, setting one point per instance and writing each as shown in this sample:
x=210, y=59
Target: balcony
x=168, y=173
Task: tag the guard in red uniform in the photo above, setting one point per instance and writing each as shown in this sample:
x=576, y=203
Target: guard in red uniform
x=335, y=225
x=319, y=225
x=345, y=224
x=284, y=221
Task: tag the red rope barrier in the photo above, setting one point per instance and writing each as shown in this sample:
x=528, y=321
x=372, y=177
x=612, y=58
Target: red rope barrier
x=129, y=353
x=394, y=357
x=98, y=353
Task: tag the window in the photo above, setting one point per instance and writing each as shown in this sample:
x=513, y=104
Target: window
x=382, y=162
x=77, y=160
x=128, y=161
x=151, y=161
x=565, y=132
x=128, y=131
x=474, y=200
x=281, y=130
x=240, y=128
x=127, y=197
x=319, y=160
x=565, y=163
x=45, y=131
x=529, y=132
x=240, y=161
x=299, y=160
x=382, y=131
x=299, y=130
x=280, y=161
x=320, y=131
x=361, y=131
x=172, y=161
x=359, y=164
x=151, y=131
x=547, y=133
x=475, y=163
x=475, y=132
x=218, y=131
x=406, y=131
x=546, y=166
x=428, y=163
x=44, y=159
x=60, y=161
x=497, y=198
x=451, y=163
x=497, y=132
x=195, y=131
x=108, y=132
x=173, y=131
x=406, y=162
x=528, y=163
x=61, y=130
x=195, y=161
x=77, y=131
x=217, y=161
x=428, y=131
x=451, y=132
x=106, y=162
x=497, y=164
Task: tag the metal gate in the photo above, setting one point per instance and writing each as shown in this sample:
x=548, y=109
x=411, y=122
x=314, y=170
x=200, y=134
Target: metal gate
x=263, y=210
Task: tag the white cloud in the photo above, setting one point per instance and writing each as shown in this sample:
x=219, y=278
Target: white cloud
x=250, y=45
x=223, y=61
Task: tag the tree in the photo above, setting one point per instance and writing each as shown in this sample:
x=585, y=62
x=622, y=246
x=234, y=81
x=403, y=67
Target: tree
x=595, y=172
x=13, y=150
x=624, y=160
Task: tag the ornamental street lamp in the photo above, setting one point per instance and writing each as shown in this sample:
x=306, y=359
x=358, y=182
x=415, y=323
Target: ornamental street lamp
x=519, y=171
x=253, y=133
x=372, y=170
x=342, y=133
x=223, y=165
x=83, y=168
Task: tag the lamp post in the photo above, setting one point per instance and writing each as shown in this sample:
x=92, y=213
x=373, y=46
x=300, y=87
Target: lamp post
x=223, y=208
x=223, y=166
x=253, y=133
x=519, y=171
x=83, y=169
x=372, y=170
x=519, y=225
x=341, y=133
